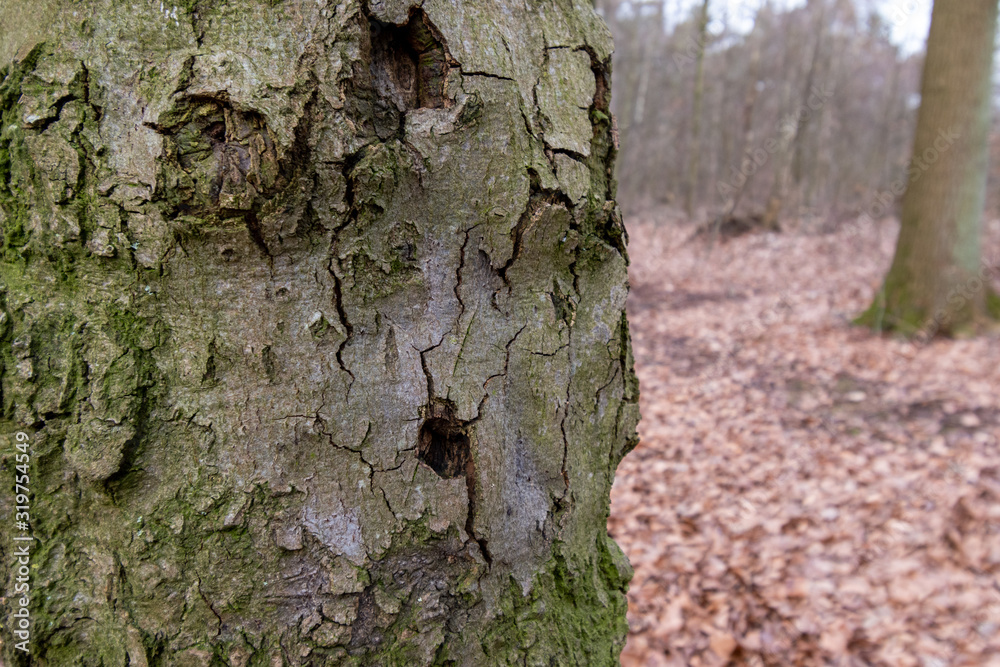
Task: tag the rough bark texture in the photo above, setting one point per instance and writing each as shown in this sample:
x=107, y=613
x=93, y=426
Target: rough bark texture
x=936, y=282
x=315, y=315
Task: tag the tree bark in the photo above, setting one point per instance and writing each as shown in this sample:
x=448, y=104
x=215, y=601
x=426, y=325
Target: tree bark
x=936, y=283
x=314, y=316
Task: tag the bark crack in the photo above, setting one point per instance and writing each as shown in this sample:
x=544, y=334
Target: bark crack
x=199, y=34
x=565, y=438
x=458, y=275
x=470, y=518
x=630, y=394
x=338, y=294
x=550, y=354
x=253, y=227
x=427, y=370
x=569, y=385
x=338, y=291
x=461, y=303
x=531, y=215
x=614, y=374
x=487, y=75
x=204, y=598
x=503, y=373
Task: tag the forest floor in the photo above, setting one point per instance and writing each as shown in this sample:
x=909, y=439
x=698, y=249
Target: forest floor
x=805, y=492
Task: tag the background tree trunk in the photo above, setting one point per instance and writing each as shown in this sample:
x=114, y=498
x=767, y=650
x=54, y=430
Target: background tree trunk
x=935, y=283
x=788, y=162
x=314, y=314
x=691, y=190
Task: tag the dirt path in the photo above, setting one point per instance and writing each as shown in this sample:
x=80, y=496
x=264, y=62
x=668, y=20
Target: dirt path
x=804, y=493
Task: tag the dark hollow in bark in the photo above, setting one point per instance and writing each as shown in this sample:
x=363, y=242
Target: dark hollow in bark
x=444, y=444
x=410, y=61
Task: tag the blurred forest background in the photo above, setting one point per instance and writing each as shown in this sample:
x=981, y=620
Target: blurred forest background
x=834, y=84
x=806, y=491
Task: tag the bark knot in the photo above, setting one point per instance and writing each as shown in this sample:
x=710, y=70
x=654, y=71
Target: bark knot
x=219, y=162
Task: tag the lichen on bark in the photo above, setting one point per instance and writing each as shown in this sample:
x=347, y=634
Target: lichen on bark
x=315, y=314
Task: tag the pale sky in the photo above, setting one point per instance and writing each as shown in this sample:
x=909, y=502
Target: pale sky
x=908, y=20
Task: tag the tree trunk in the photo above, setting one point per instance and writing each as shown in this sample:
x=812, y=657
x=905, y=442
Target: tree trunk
x=691, y=191
x=313, y=315
x=792, y=130
x=730, y=193
x=936, y=284
x=799, y=157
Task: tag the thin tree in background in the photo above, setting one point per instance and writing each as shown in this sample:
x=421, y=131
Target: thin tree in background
x=752, y=92
x=792, y=132
x=936, y=284
x=699, y=86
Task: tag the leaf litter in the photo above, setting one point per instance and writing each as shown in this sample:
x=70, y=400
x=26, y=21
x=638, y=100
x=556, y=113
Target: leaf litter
x=805, y=492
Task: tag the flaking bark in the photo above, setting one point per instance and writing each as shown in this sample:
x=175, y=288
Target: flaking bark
x=315, y=315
